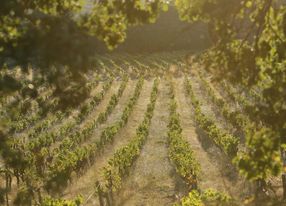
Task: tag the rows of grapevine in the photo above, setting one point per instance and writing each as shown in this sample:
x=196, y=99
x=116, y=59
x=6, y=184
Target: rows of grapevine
x=44, y=149
x=227, y=142
x=123, y=159
x=251, y=162
x=179, y=149
x=46, y=153
x=83, y=155
x=180, y=152
x=240, y=118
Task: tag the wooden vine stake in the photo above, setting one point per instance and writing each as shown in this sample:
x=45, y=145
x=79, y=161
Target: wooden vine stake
x=283, y=154
x=100, y=193
x=110, y=193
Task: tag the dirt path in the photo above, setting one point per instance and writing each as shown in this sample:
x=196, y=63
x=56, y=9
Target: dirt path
x=216, y=169
x=153, y=180
x=85, y=184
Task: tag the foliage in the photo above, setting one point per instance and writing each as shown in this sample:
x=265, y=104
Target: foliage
x=263, y=156
x=109, y=19
x=59, y=39
x=73, y=159
x=59, y=202
x=192, y=200
x=249, y=50
x=180, y=151
x=63, y=23
x=208, y=197
x=237, y=119
x=227, y=142
x=122, y=160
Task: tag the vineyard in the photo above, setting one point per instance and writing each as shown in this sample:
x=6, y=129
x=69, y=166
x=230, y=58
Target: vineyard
x=156, y=130
x=143, y=102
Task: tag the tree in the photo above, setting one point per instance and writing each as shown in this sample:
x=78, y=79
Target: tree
x=55, y=37
x=249, y=50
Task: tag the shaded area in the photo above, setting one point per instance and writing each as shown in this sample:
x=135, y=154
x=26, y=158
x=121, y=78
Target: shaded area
x=169, y=33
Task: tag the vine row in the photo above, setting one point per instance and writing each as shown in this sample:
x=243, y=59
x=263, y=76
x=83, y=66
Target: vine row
x=227, y=142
